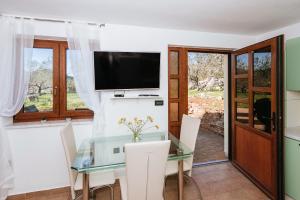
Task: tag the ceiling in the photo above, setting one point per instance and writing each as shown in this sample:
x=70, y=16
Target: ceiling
x=250, y=17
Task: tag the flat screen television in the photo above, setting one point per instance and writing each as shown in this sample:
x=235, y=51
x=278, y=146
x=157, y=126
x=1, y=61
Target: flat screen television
x=126, y=70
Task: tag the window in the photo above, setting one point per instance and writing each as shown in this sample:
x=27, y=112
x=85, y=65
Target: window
x=51, y=93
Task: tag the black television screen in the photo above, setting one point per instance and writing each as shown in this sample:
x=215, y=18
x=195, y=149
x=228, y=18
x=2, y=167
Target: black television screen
x=126, y=70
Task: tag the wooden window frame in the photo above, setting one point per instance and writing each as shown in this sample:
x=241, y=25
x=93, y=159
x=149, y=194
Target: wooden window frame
x=75, y=114
x=60, y=111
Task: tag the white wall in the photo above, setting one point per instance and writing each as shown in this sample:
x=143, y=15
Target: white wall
x=292, y=99
x=37, y=150
x=129, y=38
x=38, y=155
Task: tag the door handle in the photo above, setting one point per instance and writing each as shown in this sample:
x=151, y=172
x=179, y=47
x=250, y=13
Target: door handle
x=273, y=121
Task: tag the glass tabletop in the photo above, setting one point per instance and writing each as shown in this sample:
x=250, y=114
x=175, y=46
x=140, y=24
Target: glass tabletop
x=108, y=152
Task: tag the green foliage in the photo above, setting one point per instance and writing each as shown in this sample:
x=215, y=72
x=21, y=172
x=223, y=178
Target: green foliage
x=242, y=95
x=262, y=69
x=41, y=85
x=74, y=101
x=242, y=64
x=193, y=93
x=44, y=102
x=205, y=65
x=208, y=94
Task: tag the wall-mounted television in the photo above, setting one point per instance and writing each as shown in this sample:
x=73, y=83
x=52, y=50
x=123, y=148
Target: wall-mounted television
x=126, y=70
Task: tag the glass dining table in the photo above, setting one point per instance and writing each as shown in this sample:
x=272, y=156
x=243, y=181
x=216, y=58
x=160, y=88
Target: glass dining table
x=108, y=153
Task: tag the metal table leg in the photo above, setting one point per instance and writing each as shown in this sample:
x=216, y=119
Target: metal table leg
x=180, y=179
x=86, y=187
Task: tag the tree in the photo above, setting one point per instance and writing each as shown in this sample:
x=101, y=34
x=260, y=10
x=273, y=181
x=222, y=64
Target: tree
x=40, y=80
x=262, y=69
x=242, y=64
x=202, y=66
x=41, y=76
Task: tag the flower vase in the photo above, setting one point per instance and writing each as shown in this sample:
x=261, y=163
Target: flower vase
x=136, y=136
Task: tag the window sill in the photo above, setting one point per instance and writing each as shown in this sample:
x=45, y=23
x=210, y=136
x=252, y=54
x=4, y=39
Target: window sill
x=55, y=123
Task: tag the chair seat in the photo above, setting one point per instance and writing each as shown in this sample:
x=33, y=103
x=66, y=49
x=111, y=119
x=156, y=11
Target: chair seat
x=123, y=185
x=97, y=179
x=172, y=167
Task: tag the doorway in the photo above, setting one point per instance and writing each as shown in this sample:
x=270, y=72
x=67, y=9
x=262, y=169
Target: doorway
x=198, y=86
x=207, y=79
x=255, y=110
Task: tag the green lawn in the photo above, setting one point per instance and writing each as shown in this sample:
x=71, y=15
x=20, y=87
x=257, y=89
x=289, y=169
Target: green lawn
x=73, y=101
x=209, y=94
x=44, y=103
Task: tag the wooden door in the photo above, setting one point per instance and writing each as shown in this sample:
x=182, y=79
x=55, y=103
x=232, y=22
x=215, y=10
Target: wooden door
x=257, y=110
x=178, y=88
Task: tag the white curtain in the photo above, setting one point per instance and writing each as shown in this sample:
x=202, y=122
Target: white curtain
x=16, y=43
x=6, y=166
x=83, y=40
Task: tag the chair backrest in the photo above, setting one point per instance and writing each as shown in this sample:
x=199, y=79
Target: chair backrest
x=145, y=169
x=189, y=132
x=68, y=140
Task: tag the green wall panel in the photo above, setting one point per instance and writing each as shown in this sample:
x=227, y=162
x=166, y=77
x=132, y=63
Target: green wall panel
x=292, y=168
x=293, y=64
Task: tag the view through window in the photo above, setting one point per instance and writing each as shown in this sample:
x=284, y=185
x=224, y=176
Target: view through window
x=40, y=88
x=73, y=100
x=51, y=91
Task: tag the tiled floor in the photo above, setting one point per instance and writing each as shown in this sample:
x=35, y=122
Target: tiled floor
x=224, y=182
x=191, y=191
x=209, y=147
x=216, y=182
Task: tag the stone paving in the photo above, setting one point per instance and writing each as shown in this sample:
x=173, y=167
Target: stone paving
x=209, y=147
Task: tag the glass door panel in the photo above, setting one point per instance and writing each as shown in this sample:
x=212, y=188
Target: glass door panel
x=174, y=108
x=242, y=88
x=174, y=62
x=174, y=88
x=177, y=83
x=242, y=113
x=262, y=64
x=242, y=64
x=262, y=111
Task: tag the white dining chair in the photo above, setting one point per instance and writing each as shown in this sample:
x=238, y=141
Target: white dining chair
x=97, y=179
x=188, y=136
x=145, y=170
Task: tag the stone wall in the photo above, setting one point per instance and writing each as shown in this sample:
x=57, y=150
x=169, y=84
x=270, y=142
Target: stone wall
x=213, y=122
x=211, y=112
